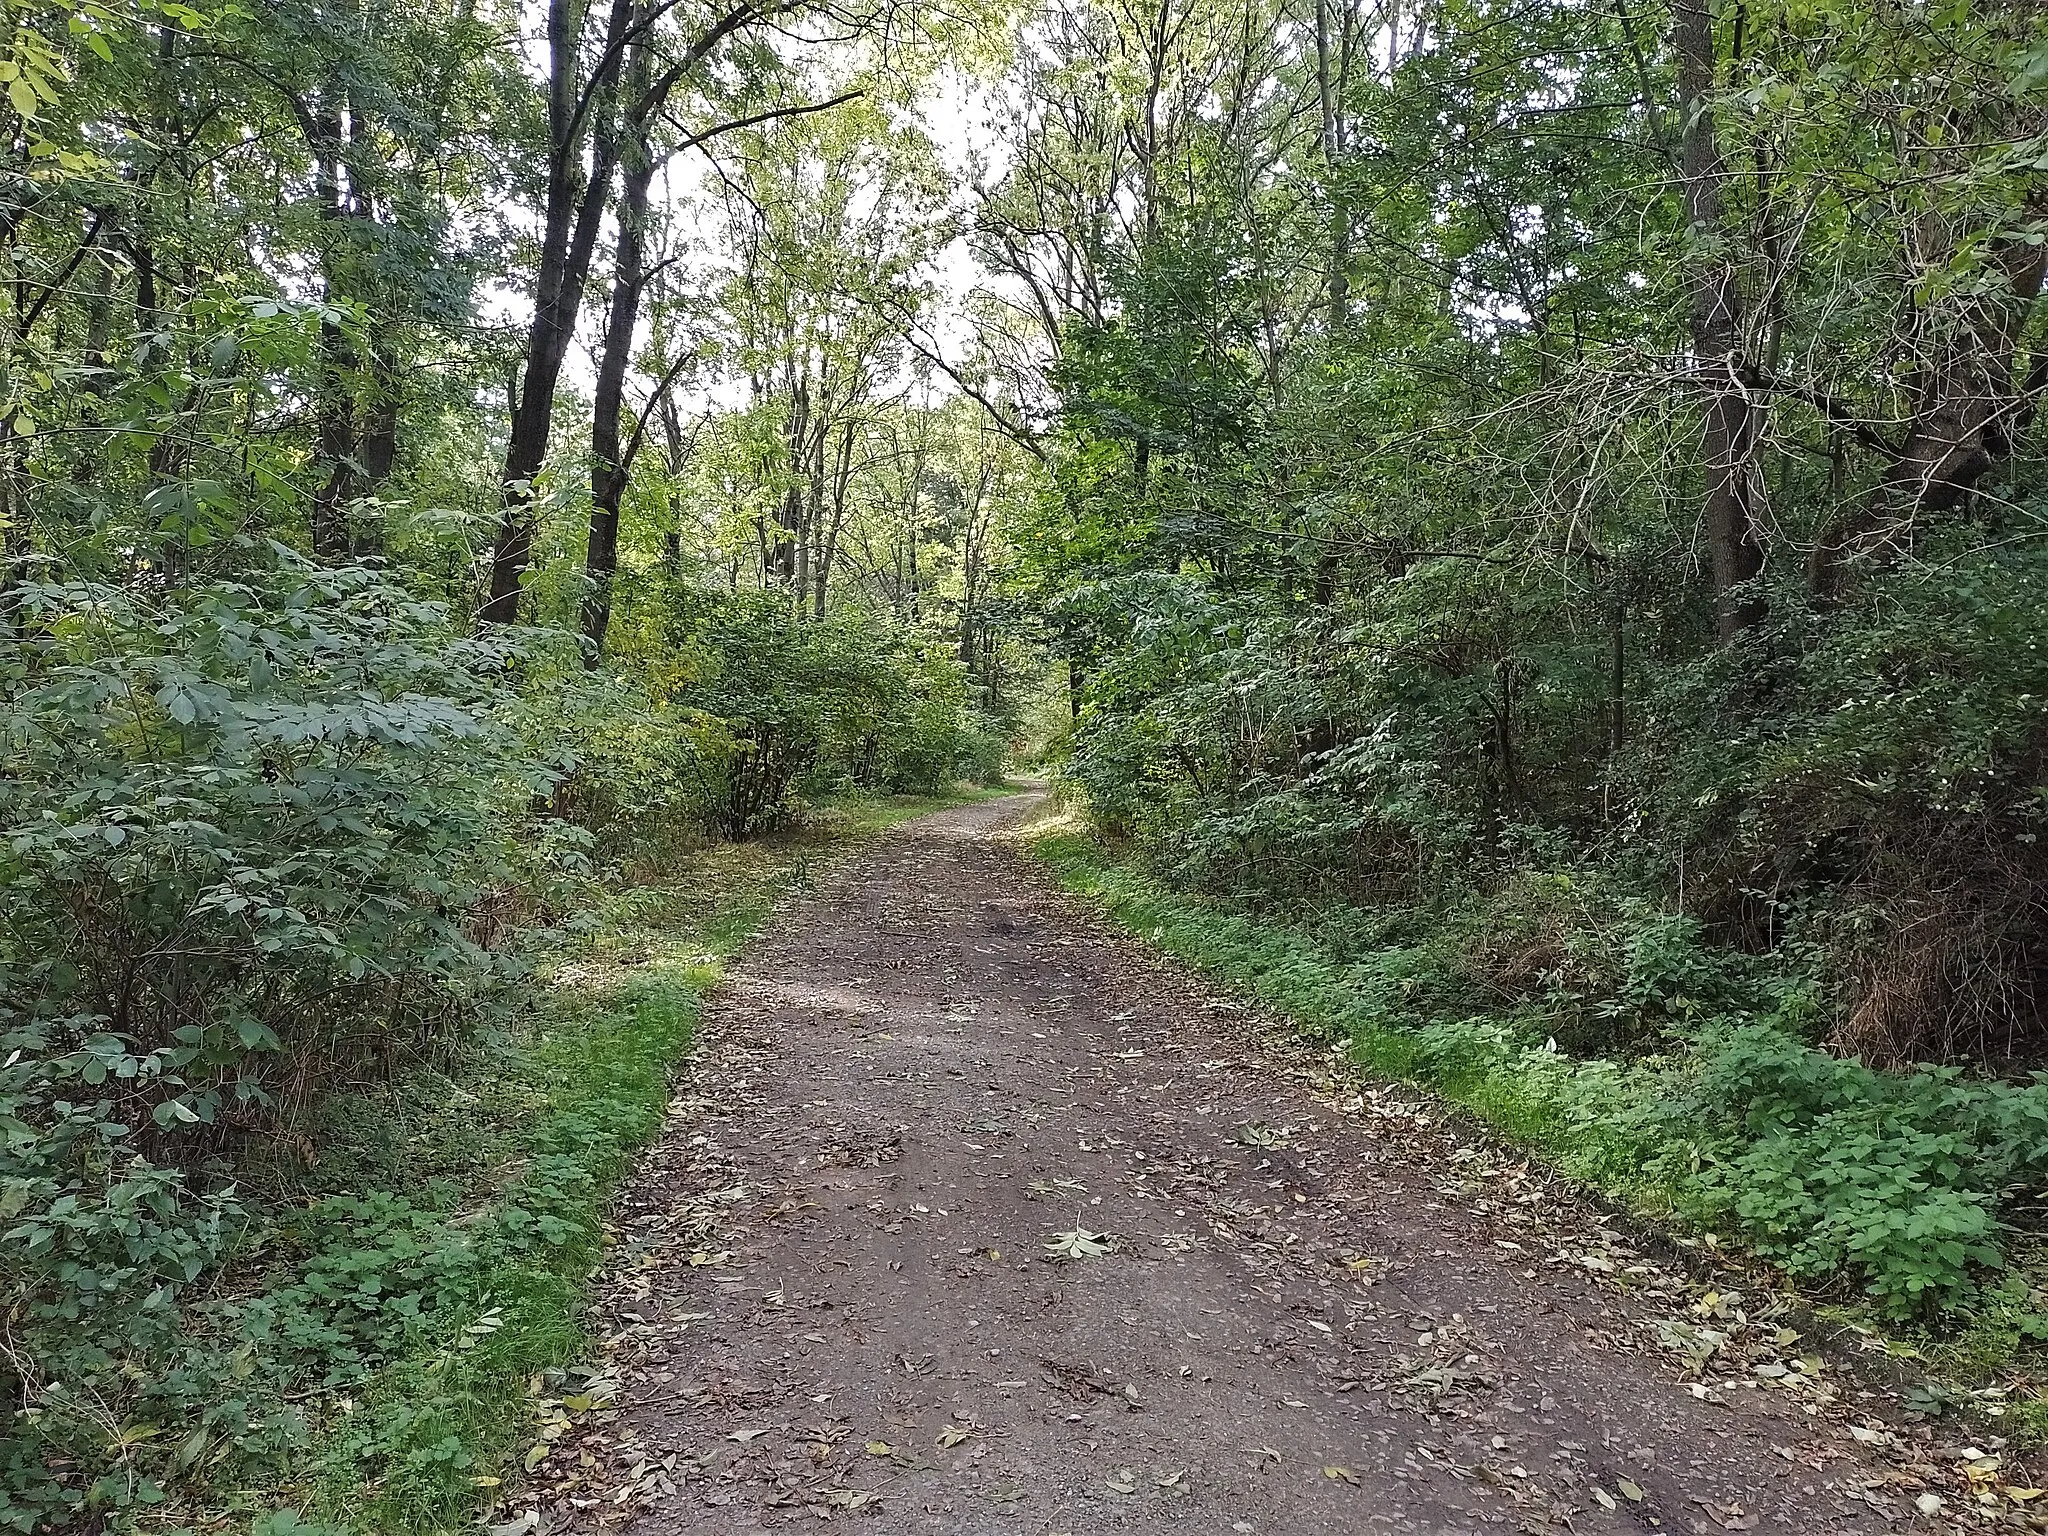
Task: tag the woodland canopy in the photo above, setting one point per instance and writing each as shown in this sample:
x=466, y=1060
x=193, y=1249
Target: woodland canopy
x=1539, y=501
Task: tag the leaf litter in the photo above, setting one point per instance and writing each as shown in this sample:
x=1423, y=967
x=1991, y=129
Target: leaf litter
x=1265, y=1157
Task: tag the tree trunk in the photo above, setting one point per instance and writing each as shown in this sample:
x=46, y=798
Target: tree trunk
x=571, y=215
x=811, y=513
x=1968, y=409
x=672, y=438
x=377, y=446
x=382, y=389
x=1333, y=68
x=334, y=408
x=780, y=559
x=828, y=545
x=1731, y=419
x=609, y=469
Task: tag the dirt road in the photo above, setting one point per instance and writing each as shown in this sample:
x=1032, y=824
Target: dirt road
x=1315, y=1308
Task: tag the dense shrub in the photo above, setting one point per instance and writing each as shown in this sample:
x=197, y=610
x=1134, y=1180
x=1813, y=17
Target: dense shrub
x=1828, y=1165
x=789, y=701
x=1828, y=830
x=1607, y=969
x=1883, y=780
x=246, y=825
x=631, y=765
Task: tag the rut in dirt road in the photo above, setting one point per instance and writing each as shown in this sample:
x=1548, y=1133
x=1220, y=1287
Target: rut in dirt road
x=1317, y=1312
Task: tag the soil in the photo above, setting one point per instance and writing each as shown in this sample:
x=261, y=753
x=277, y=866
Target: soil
x=1318, y=1305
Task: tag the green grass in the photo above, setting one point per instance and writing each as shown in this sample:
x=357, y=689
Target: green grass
x=418, y=1448
x=470, y=1194
x=1587, y=1117
x=1538, y=1099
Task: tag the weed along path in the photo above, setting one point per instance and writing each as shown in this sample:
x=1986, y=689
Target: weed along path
x=973, y=1218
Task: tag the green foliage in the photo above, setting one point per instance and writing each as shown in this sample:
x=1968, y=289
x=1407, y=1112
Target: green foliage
x=790, y=701
x=284, y=830
x=465, y=1275
x=453, y=1310
x=1402, y=1012
x=631, y=767
x=354, y=1336
x=1898, y=1177
x=1904, y=1181
x=1608, y=970
x=1340, y=435
x=1427, y=596
x=245, y=831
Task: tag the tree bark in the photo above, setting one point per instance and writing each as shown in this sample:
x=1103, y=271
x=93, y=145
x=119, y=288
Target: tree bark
x=1968, y=410
x=569, y=224
x=579, y=113
x=781, y=557
x=377, y=410
x=1333, y=70
x=334, y=408
x=377, y=444
x=828, y=543
x=609, y=469
x=1731, y=419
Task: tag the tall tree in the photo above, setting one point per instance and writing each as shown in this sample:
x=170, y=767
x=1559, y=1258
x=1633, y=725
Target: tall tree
x=1728, y=441
x=595, y=117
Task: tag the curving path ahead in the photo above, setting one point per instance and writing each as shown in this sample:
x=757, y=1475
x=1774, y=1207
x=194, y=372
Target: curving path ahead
x=1318, y=1310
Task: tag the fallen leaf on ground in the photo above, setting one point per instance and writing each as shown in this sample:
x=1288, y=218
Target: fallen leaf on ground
x=1077, y=1244
x=1341, y=1475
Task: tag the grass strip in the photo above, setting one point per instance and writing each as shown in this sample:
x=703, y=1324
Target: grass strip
x=477, y=1190
x=1484, y=1070
x=1586, y=1117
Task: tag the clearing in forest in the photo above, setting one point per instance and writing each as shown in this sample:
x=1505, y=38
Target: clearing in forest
x=973, y=1218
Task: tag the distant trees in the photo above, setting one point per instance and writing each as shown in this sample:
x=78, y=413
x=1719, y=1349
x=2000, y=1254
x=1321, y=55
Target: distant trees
x=1484, y=430
x=293, y=426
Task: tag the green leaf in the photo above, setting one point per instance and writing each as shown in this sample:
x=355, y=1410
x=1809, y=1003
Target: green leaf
x=1077, y=1244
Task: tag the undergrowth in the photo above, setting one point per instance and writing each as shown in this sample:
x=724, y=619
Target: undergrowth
x=560, y=1112
x=418, y=1276
x=1676, y=1080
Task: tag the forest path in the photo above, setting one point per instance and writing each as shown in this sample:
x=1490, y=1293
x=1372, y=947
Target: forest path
x=1320, y=1310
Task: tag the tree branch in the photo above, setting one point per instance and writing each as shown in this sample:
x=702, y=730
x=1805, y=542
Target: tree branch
x=697, y=140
